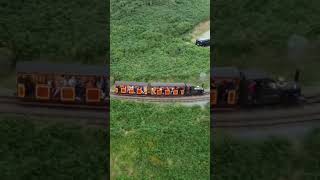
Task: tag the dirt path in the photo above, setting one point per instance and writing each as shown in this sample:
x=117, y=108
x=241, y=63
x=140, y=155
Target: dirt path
x=202, y=30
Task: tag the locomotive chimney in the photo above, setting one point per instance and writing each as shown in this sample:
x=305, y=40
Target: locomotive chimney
x=296, y=75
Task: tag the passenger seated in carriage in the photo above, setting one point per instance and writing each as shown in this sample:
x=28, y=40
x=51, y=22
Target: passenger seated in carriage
x=153, y=90
x=72, y=81
x=104, y=87
x=80, y=89
x=30, y=86
x=58, y=84
x=171, y=92
x=252, y=91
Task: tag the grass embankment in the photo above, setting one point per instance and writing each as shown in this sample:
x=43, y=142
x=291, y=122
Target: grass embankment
x=53, y=30
x=276, y=36
x=271, y=159
x=59, y=31
x=33, y=149
x=150, y=41
x=150, y=141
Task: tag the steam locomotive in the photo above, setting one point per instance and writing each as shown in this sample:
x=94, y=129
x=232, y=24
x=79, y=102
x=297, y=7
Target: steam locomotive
x=156, y=89
x=231, y=87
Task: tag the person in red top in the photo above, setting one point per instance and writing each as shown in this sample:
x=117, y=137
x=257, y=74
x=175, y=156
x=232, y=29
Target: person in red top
x=252, y=91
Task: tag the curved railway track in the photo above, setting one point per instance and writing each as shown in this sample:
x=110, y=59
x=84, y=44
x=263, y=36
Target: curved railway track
x=88, y=115
x=307, y=112
x=14, y=100
x=184, y=99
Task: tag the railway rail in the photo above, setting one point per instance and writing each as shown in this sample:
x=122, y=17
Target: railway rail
x=307, y=112
x=14, y=100
x=184, y=99
x=84, y=114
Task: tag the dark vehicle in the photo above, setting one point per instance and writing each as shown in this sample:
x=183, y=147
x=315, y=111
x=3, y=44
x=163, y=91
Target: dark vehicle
x=232, y=87
x=156, y=89
x=203, y=42
x=62, y=83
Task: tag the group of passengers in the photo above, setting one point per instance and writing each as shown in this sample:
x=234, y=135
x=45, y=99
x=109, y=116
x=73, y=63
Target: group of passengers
x=28, y=84
x=154, y=90
x=223, y=89
x=129, y=88
x=252, y=89
x=79, y=83
x=135, y=89
x=163, y=90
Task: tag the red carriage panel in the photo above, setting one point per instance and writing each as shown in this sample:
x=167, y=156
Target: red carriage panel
x=67, y=94
x=167, y=92
x=175, y=92
x=159, y=92
x=42, y=92
x=21, y=90
x=93, y=95
x=182, y=92
x=139, y=91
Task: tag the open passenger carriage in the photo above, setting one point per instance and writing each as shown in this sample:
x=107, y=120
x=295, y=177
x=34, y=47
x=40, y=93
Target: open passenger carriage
x=167, y=89
x=225, y=84
x=131, y=88
x=66, y=83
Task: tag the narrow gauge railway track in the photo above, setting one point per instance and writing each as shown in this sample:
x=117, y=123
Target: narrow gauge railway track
x=307, y=112
x=313, y=99
x=266, y=122
x=14, y=100
x=84, y=115
x=184, y=99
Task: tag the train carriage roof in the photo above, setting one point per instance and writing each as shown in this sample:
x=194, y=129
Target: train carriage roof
x=225, y=72
x=255, y=74
x=131, y=83
x=66, y=69
x=167, y=84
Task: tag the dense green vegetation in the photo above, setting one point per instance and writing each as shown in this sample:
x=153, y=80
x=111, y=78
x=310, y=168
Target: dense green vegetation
x=53, y=30
x=150, y=141
x=277, y=36
x=37, y=149
x=150, y=40
x=271, y=159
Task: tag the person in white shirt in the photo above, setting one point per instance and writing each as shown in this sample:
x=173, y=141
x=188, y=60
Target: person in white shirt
x=72, y=82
